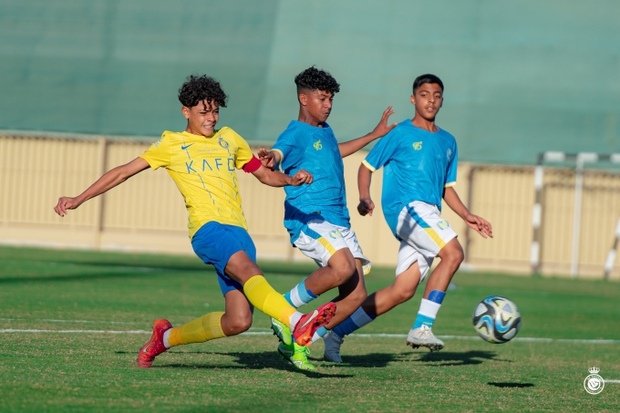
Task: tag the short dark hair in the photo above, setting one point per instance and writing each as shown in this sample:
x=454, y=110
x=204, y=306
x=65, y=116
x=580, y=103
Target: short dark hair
x=316, y=79
x=427, y=78
x=199, y=88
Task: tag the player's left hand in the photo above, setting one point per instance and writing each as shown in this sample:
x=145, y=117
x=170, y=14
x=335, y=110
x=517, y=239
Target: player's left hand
x=382, y=127
x=65, y=203
x=365, y=207
x=266, y=158
x=480, y=225
x=302, y=177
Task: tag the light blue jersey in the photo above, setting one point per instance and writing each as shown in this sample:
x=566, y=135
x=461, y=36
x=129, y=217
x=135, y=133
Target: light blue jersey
x=314, y=149
x=418, y=165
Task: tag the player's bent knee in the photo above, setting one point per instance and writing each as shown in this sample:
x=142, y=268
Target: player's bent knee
x=456, y=258
x=338, y=276
x=402, y=295
x=342, y=272
x=358, y=296
x=238, y=325
x=452, y=255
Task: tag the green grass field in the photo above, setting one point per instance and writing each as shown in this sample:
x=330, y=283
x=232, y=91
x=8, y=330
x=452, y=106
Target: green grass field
x=71, y=323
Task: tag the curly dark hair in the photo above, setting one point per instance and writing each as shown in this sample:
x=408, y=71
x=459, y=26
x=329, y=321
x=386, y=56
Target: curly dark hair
x=199, y=88
x=316, y=79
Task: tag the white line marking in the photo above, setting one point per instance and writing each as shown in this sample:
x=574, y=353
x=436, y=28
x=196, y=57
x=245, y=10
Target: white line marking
x=611, y=381
x=258, y=332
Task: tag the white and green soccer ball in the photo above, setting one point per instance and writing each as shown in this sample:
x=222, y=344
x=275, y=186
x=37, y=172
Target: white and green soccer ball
x=497, y=319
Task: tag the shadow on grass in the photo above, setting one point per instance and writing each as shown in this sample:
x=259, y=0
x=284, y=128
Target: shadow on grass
x=252, y=361
x=467, y=358
x=442, y=359
x=362, y=360
x=511, y=385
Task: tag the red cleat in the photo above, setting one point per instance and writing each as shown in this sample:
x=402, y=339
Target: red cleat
x=155, y=346
x=311, y=322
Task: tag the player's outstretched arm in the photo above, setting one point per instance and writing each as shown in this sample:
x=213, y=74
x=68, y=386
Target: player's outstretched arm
x=478, y=224
x=269, y=159
x=278, y=179
x=382, y=128
x=364, y=176
x=107, y=181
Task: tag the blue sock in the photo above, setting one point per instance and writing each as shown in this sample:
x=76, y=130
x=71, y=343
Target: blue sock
x=319, y=334
x=299, y=295
x=355, y=321
x=423, y=320
x=436, y=296
x=345, y=328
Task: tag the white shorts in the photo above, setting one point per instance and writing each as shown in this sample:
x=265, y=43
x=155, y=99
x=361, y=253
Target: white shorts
x=422, y=233
x=320, y=239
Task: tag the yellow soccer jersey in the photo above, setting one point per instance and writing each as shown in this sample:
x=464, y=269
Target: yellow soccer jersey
x=204, y=170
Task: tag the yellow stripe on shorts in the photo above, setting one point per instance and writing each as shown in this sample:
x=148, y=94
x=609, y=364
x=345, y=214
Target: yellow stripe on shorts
x=435, y=237
x=329, y=247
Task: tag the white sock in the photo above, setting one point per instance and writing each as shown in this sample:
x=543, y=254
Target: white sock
x=166, y=336
x=429, y=308
x=294, y=319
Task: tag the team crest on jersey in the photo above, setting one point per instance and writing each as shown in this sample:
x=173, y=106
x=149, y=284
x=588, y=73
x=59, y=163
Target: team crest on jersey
x=417, y=145
x=443, y=224
x=335, y=234
x=222, y=142
x=318, y=145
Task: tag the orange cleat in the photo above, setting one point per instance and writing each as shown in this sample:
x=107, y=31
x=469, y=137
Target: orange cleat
x=155, y=346
x=311, y=322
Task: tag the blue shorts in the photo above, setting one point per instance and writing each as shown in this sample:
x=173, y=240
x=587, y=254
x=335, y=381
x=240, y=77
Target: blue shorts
x=215, y=243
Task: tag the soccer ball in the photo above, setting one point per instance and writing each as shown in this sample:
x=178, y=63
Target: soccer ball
x=497, y=319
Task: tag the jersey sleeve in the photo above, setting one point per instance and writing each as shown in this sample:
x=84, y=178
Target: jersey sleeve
x=158, y=154
x=452, y=167
x=244, y=155
x=290, y=154
x=381, y=153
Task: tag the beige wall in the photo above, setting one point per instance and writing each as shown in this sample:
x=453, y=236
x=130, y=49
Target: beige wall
x=147, y=213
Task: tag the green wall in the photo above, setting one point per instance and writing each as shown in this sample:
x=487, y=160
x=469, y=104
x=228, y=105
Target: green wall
x=521, y=77
x=115, y=67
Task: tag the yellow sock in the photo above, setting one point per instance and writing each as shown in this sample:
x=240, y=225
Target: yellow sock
x=266, y=299
x=208, y=327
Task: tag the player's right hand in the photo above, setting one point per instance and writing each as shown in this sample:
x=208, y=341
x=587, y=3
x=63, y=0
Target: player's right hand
x=382, y=127
x=266, y=158
x=365, y=207
x=65, y=203
x=302, y=177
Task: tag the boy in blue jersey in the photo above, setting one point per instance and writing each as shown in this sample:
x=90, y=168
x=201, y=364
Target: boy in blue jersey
x=316, y=216
x=420, y=161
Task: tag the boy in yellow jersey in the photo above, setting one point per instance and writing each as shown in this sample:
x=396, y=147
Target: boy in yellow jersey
x=202, y=161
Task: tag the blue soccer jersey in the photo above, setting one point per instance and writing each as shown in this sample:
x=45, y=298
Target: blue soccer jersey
x=418, y=165
x=315, y=149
